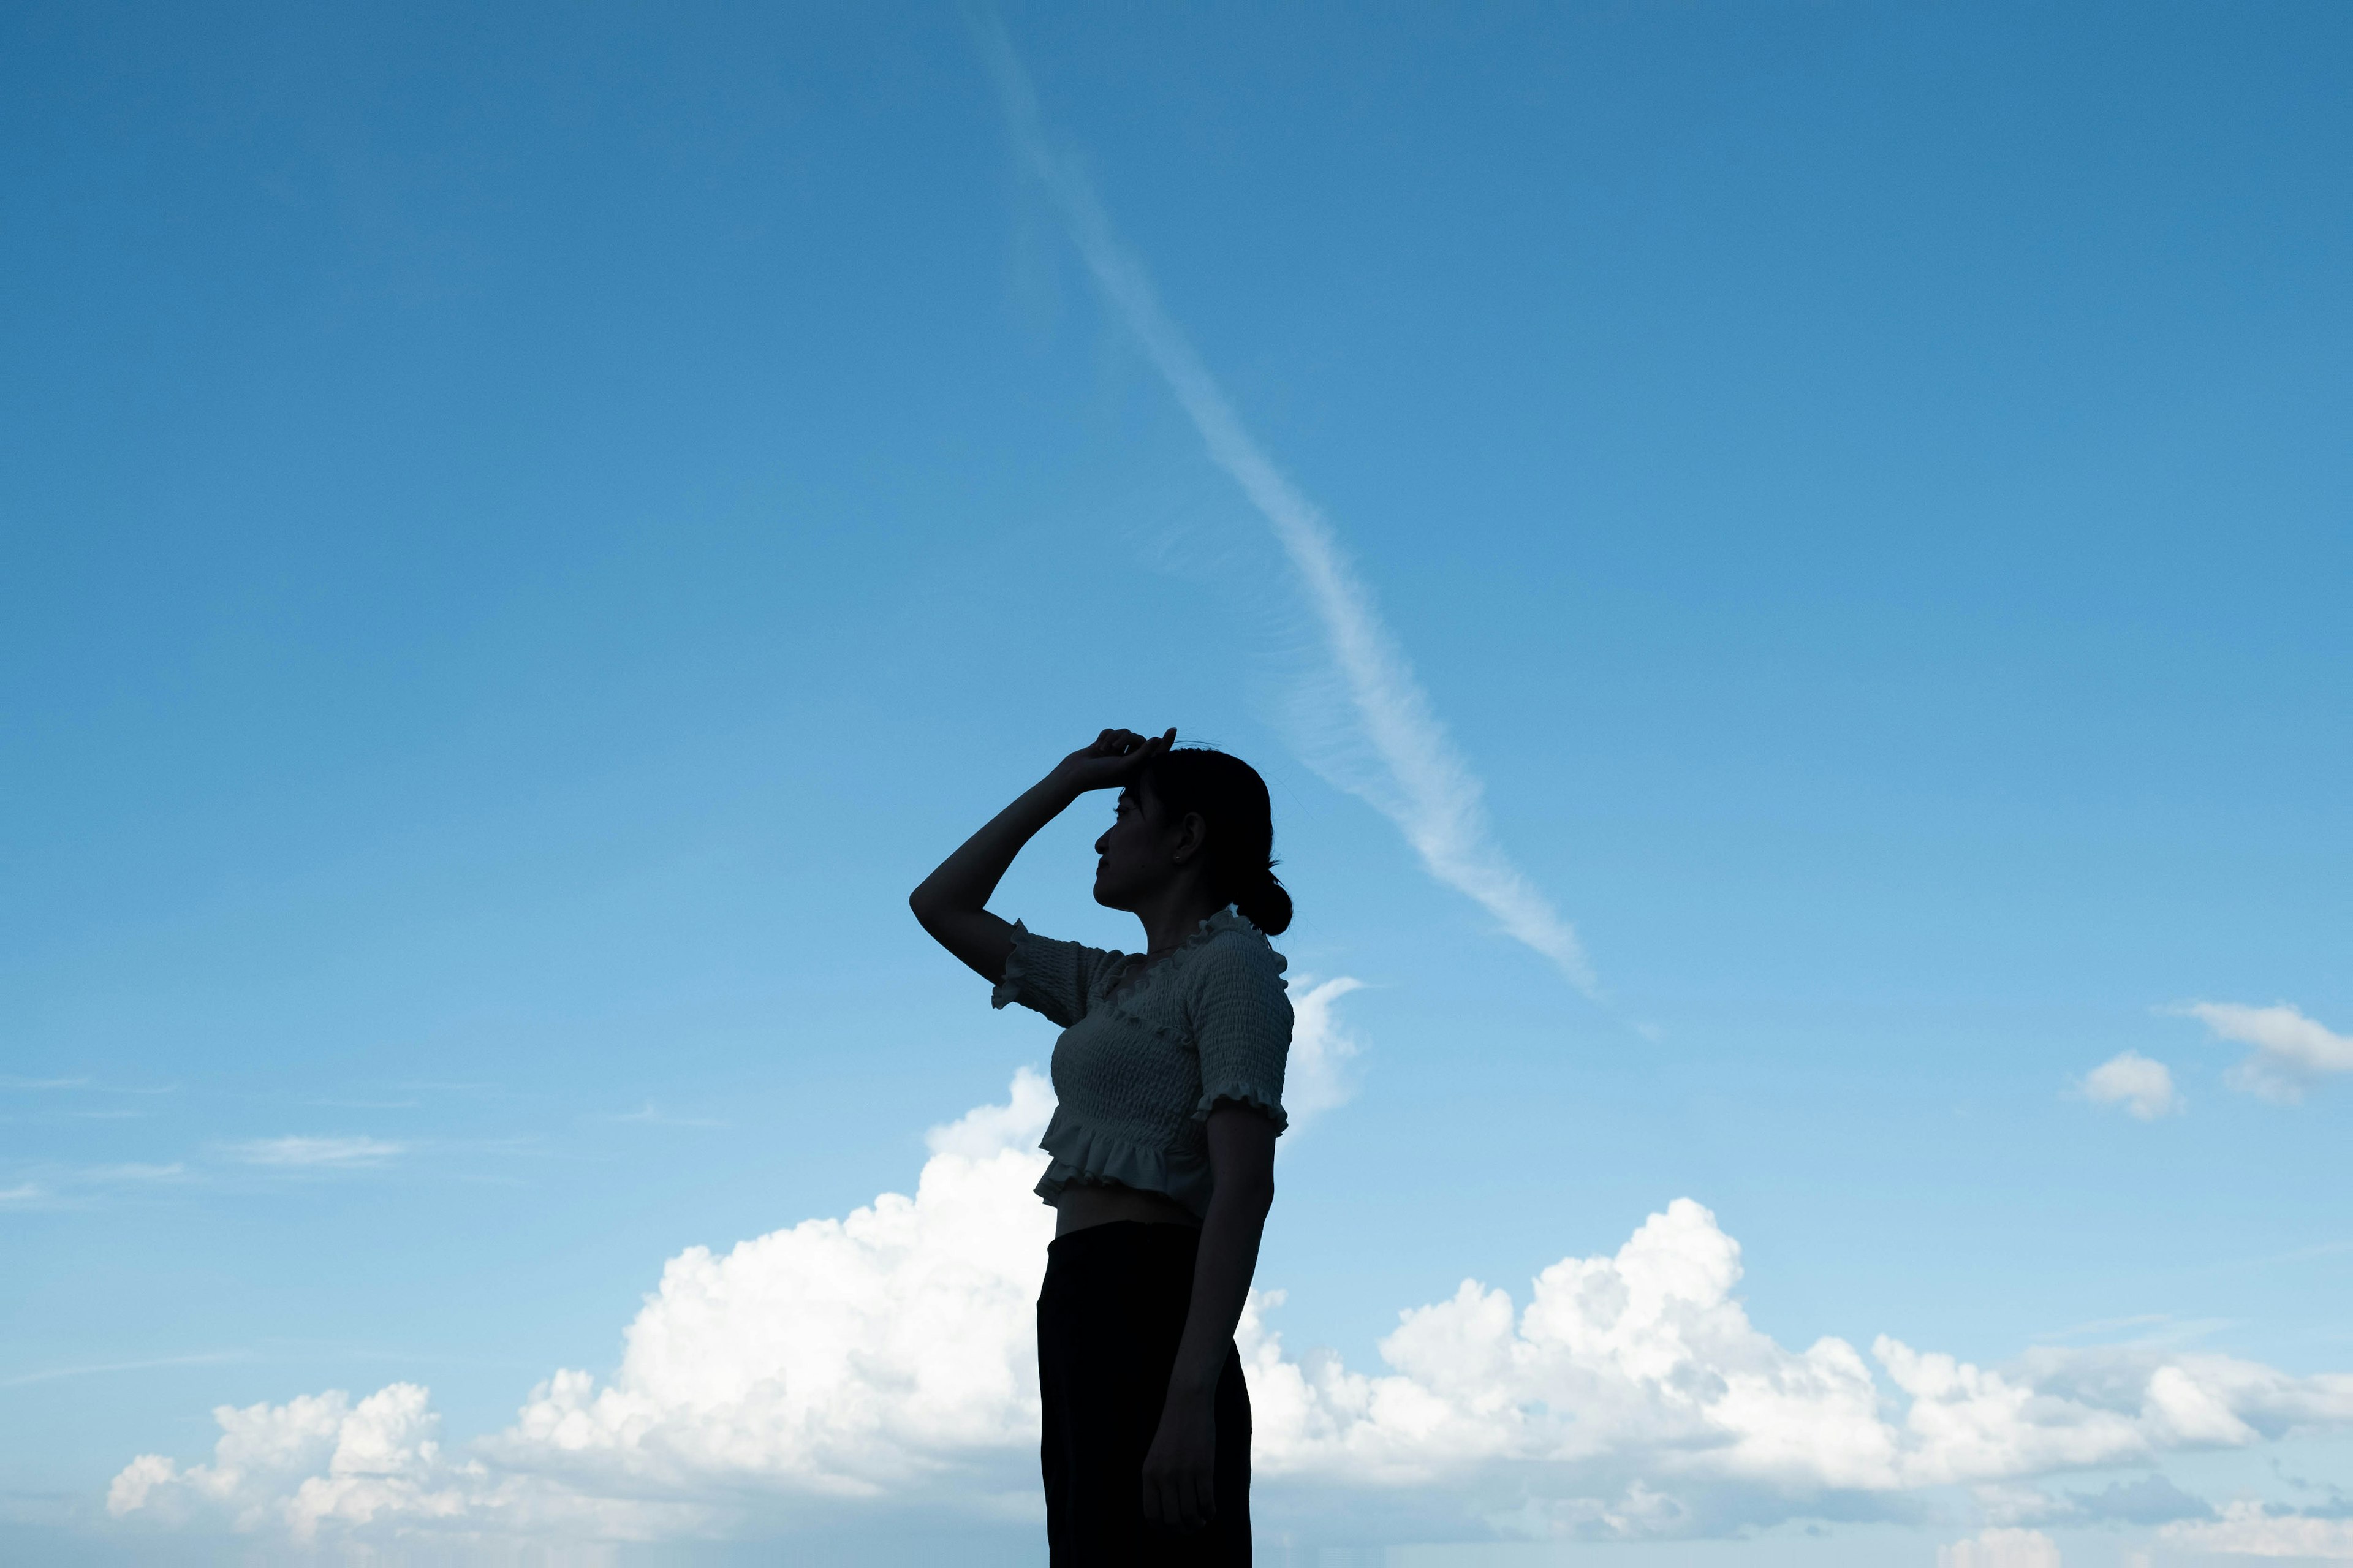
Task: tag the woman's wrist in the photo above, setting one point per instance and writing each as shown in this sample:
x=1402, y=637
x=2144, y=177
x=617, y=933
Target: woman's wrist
x=1194, y=1385
x=1056, y=790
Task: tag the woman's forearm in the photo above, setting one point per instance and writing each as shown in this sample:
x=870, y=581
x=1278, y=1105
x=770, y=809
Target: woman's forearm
x=951, y=903
x=963, y=881
x=1222, y=1269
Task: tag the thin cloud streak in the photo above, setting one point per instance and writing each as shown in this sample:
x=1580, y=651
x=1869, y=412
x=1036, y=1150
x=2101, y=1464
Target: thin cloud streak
x=53, y=1374
x=1421, y=783
x=50, y=1084
x=315, y=1153
x=655, y=1117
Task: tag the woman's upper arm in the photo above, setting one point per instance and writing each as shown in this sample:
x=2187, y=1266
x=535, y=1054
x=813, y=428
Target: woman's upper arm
x=980, y=939
x=1241, y=1149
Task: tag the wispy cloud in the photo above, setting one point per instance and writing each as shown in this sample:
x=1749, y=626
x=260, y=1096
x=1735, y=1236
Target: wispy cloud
x=1412, y=772
x=135, y=1173
x=2105, y=1328
x=655, y=1117
x=53, y=1186
x=315, y=1153
x=2291, y=1051
x=76, y=1088
x=51, y=1374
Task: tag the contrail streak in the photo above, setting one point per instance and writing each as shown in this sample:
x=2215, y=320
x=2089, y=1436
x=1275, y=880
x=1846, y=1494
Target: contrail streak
x=1422, y=782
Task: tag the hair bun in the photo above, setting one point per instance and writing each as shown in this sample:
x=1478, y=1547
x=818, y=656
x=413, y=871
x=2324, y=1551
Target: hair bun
x=1265, y=903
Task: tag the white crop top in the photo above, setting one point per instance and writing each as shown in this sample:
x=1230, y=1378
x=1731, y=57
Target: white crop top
x=1136, y=1073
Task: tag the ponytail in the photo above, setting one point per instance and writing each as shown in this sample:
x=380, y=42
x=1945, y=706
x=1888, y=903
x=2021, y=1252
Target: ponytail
x=1232, y=801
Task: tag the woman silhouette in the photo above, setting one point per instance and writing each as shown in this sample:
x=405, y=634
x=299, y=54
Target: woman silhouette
x=1169, y=1078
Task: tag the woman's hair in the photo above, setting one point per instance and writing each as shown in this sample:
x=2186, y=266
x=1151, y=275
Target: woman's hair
x=1232, y=801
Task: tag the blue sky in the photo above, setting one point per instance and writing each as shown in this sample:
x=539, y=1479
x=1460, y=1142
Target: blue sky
x=526, y=534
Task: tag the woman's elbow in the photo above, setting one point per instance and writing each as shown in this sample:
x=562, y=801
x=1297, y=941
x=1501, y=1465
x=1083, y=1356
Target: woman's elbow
x=1250, y=1192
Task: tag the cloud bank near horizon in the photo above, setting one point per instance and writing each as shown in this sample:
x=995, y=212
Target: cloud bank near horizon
x=1406, y=766
x=882, y=1362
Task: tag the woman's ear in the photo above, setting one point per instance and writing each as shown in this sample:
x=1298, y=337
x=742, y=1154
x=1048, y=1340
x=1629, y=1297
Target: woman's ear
x=1192, y=836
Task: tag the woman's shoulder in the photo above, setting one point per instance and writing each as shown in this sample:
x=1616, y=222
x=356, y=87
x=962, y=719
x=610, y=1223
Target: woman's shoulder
x=1233, y=950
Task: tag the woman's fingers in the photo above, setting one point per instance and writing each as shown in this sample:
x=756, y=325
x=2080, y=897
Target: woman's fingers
x=1182, y=1499
x=1128, y=743
x=1179, y=1500
x=1160, y=1506
x=1194, y=1501
x=1114, y=754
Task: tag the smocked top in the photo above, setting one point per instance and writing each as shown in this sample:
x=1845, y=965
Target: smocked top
x=1139, y=1066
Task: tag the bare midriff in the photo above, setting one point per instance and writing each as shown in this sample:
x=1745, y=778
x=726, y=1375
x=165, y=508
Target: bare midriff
x=1084, y=1207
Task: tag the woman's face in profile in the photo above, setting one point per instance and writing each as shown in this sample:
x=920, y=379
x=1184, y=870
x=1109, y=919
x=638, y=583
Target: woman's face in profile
x=1130, y=860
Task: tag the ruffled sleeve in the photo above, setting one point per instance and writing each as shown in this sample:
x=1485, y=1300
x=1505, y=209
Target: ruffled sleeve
x=1048, y=976
x=1241, y=1020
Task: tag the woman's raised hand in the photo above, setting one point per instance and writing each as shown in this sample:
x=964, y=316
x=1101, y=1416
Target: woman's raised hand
x=1112, y=760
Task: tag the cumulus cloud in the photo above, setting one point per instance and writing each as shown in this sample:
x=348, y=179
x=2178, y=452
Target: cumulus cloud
x=1398, y=757
x=2252, y=1530
x=316, y=1152
x=2128, y=1079
x=315, y=1457
x=2001, y=1549
x=885, y=1361
x=2291, y=1051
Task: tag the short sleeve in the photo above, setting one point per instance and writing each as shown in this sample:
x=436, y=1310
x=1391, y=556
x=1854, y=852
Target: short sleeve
x=1048, y=976
x=1242, y=1022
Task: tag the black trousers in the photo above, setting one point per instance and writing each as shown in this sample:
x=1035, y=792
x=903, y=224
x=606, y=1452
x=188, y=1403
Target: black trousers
x=1109, y=1318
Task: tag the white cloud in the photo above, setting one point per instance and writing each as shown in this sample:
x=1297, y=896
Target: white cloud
x=52, y=1375
x=135, y=1173
x=2250, y=1530
x=1316, y=1079
x=23, y=1192
x=2001, y=1549
x=315, y=1460
x=653, y=1116
x=1402, y=762
x=331, y=1153
x=2128, y=1079
x=2291, y=1051
x=885, y=1360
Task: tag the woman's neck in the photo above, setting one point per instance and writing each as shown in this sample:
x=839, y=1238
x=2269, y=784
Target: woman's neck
x=1170, y=920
